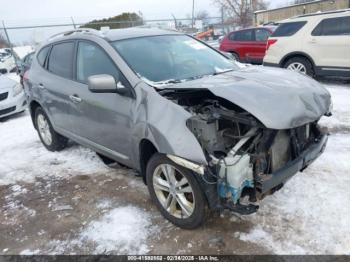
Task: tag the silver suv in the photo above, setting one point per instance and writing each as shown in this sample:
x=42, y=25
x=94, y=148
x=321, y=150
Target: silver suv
x=200, y=130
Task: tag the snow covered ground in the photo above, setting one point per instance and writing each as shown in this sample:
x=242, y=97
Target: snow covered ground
x=70, y=202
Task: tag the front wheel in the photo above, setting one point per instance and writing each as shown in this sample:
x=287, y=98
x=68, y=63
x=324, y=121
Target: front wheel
x=48, y=136
x=176, y=192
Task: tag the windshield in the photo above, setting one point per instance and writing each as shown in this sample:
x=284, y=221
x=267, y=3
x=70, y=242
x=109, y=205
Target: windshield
x=171, y=58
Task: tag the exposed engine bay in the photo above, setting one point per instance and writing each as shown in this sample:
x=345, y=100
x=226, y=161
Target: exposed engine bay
x=241, y=152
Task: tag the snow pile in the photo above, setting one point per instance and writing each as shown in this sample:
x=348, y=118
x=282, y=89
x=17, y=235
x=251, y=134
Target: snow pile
x=123, y=230
x=23, y=157
x=22, y=51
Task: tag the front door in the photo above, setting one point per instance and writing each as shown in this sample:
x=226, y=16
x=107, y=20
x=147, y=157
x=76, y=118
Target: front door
x=102, y=120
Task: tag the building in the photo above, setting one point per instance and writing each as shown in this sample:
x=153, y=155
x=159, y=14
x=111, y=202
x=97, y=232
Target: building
x=277, y=14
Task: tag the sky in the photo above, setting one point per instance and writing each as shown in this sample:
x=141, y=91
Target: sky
x=30, y=12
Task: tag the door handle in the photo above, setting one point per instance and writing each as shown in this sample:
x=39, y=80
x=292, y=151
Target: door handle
x=75, y=98
x=41, y=86
x=313, y=41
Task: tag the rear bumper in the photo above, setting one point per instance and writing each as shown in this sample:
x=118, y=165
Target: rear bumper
x=306, y=158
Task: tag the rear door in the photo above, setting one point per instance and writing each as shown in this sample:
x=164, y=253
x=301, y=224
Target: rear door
x=55, y=84
x=329, y=43
x=259, y=49
x=101, y=120
x=244, y=43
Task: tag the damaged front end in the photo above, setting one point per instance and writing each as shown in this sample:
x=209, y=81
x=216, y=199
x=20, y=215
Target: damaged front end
x=245, y=159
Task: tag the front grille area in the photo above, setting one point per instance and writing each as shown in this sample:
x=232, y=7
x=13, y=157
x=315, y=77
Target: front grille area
x=3, y=96
x=7, y=110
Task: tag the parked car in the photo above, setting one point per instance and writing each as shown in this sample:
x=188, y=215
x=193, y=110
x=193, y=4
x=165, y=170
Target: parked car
x=24, y=65
x=314, y=44
x=7, y=61
x=247, y=45
x=12, y=98
x=200, y=130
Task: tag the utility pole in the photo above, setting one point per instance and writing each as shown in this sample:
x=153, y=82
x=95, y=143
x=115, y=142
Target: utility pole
x=192, y=13
x=9, y=42
x=73, y=23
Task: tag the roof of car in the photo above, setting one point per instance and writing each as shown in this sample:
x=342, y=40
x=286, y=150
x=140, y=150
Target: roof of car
x=119, y=34
x=112, y=34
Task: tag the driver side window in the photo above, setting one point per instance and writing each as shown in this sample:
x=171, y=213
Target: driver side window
x=92, y=60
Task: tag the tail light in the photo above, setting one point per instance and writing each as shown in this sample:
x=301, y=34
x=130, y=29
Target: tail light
x=270, y=42
x=25, y=76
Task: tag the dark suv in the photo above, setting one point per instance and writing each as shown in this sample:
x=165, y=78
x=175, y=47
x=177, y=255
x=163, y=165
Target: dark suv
x=201, y=131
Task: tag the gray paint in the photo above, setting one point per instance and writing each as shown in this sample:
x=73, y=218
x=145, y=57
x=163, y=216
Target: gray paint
x=115, y=125
x=279, y=98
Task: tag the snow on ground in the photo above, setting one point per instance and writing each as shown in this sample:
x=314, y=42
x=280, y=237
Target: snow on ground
x=341, y=118
x=311, y=214
x=23, y=157
x=125, y=229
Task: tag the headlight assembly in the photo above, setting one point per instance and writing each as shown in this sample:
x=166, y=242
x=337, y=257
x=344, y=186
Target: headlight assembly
x=17, y=89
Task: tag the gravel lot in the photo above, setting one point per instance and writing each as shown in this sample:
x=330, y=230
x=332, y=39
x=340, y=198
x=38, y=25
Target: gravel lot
x=71, y=203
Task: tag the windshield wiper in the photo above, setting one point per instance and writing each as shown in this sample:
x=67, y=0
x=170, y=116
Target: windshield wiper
x=223, y=72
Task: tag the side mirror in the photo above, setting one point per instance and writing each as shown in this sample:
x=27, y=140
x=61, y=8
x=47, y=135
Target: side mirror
x=106, y=84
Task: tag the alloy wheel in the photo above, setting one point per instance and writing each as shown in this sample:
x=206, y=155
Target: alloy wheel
x=299, y=67
x=44, y=129
x=173, y=191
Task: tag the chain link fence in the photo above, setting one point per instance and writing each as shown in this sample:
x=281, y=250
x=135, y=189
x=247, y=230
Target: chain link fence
x=33, y=32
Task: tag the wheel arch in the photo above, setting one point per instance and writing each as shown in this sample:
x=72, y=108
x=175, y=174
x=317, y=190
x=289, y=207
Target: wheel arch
x=32, y=108
x=146, y=150
x=296, y=54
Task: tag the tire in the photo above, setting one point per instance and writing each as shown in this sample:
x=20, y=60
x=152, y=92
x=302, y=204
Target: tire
x=190, y=220
x=235, y=57
x=304, y=64
x=57, y=142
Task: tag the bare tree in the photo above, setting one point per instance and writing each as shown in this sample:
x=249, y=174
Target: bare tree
x=202, y=15
x=241, y=12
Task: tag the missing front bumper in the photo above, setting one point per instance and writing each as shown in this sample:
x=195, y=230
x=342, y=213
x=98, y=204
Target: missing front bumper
x=266, y=183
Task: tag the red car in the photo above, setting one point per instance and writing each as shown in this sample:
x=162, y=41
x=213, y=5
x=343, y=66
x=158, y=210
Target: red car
x=247, y=45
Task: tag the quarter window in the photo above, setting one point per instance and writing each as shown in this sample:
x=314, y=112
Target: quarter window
x=261, y=35
x=333, y=26
x=92, y=60
x=61, y=60
x=42, y=55
x=288, y=29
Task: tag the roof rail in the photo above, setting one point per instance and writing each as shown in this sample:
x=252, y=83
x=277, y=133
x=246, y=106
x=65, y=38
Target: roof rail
x=324, y=13
x=79, y=30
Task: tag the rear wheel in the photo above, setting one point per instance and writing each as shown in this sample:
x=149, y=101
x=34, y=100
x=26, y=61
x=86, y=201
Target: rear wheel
x=176, y=192
x=301, y=65
x=50, y=139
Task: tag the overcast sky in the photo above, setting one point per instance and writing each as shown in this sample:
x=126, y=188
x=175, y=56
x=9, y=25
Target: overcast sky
x=38, y=9
x=29, y=12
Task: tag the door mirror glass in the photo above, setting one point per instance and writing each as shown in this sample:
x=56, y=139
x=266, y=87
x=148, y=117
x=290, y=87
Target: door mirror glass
x=102, y=84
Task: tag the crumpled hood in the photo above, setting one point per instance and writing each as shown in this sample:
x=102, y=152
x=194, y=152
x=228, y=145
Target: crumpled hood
x=279, y=98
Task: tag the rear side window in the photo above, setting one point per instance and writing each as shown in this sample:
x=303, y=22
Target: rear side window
x=288, y=29
x=333, y=26
x=61, y=60
x=42, y=55
x=261, y=34
x=246, y=35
